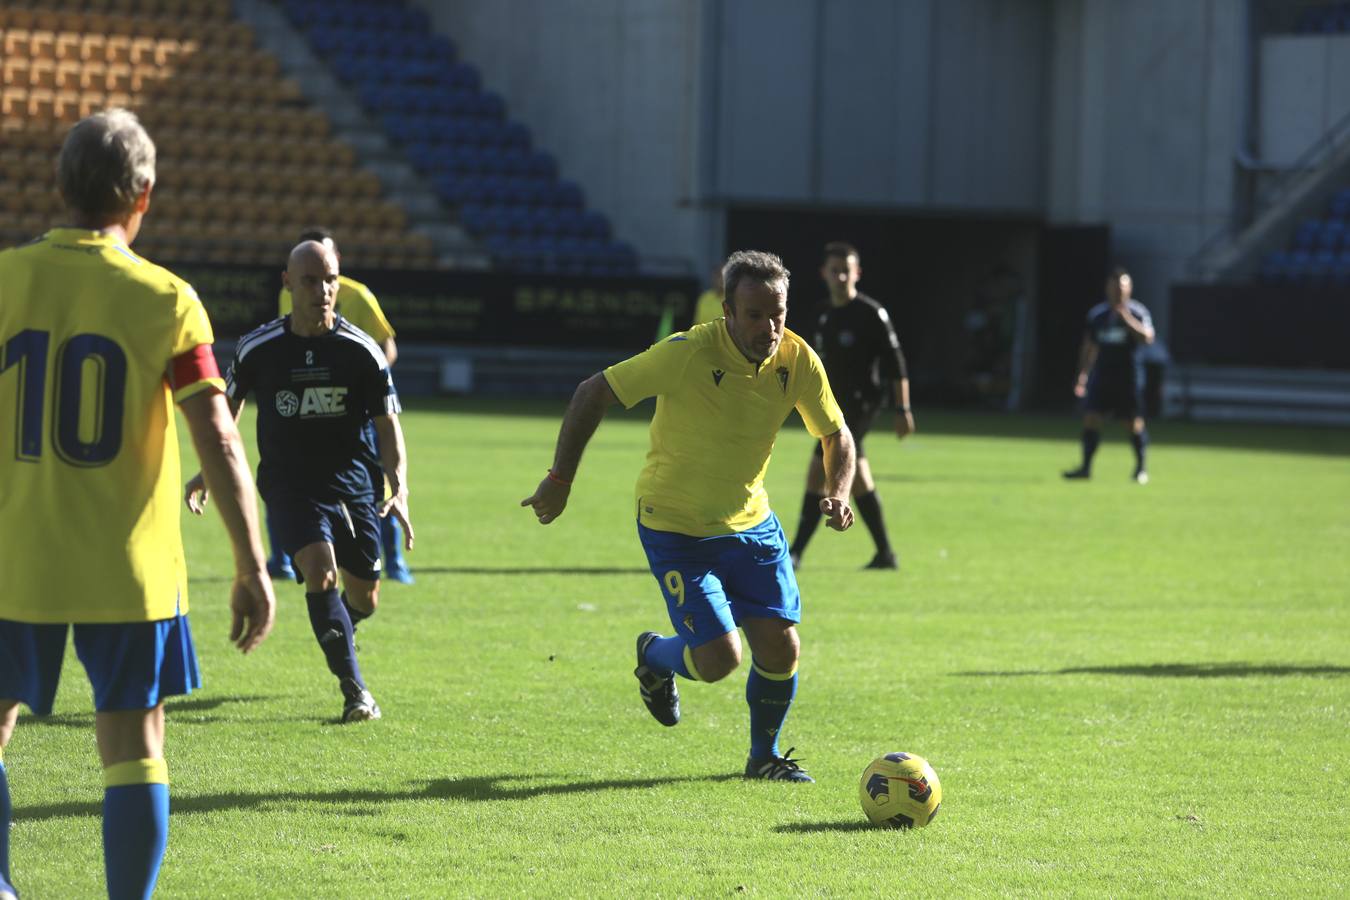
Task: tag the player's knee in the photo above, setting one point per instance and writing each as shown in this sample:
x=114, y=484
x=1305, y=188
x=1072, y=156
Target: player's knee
x=366, y=601
x=781, y=653
x=718, y=659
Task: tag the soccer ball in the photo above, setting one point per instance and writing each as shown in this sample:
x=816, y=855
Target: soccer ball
x=900, y=790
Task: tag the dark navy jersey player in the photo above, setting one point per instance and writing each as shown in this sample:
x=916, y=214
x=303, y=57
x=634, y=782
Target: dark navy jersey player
x=1111, y=371
x=319, y=383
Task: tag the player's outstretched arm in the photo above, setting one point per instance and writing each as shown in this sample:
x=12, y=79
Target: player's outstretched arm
x=590, y=402
x=394, y=460
x=841, y=458
x=225, y=471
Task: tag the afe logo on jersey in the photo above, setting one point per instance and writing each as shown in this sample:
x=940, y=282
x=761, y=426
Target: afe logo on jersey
x=316, y=402
x=287, y=403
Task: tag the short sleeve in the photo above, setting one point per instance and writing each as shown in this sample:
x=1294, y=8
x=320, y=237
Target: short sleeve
x=1141, y=313
x=239, y=377
x=191, y=368
x=888, y=352
x=816, y=403
x=655, y=371
x=360, y=307
x=381, y=398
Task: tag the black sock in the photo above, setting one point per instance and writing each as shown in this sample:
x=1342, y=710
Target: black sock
x=869, y=507
x=1091, y=438
x=1140, y=442
x=808, y=523
x=353, y=613
x=333, y=629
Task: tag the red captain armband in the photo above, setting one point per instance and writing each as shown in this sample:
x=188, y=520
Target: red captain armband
x=556, y=480
x=198, y=364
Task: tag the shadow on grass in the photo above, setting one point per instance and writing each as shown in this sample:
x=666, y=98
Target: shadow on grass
x=1180, y=670
x=482, y=788
x=86, y=719
x=819, y=827
x=530, y=570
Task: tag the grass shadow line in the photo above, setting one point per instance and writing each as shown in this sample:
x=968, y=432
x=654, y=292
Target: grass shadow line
x=476, y=789
x=824, y=827
x=1179, y=670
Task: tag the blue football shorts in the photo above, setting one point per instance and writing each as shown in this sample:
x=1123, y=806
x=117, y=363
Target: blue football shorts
x=131, y=665
x=352, y=527
x=712, y=583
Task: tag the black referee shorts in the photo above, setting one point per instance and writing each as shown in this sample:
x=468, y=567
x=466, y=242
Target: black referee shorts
x=859, y=421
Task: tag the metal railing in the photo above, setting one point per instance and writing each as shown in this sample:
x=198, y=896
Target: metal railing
x=1267, y=197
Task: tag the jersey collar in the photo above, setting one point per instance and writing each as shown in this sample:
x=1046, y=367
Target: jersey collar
x=734, y=359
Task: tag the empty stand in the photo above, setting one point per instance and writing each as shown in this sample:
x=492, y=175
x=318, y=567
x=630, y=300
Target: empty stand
x=244, y=163
x=459, y=136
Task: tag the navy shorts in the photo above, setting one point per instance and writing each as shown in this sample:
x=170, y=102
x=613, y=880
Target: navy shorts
x=712, y=583
x=132, y=665
x=1117, y=395
x=352, y=527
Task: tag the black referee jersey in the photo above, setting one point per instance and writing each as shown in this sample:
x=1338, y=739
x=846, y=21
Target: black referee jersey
x=861, y=353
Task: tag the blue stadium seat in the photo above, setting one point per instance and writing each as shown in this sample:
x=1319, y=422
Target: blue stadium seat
x=1306, y=235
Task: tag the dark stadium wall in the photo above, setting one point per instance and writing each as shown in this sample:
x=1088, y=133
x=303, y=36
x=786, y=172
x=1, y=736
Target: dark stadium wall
x=952, y=284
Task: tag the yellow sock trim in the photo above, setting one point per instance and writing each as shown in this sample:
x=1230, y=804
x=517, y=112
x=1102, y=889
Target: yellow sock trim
x=775, y=676
x=689, y=663
x=137, y=771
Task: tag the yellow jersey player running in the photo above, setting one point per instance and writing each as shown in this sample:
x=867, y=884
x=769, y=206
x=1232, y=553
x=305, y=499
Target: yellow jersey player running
x=723, y=390
x=358, y=305
x=96, y=345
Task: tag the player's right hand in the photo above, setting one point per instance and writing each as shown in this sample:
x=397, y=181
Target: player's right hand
x=548, y=500
x=253, y=608
x=196, y=495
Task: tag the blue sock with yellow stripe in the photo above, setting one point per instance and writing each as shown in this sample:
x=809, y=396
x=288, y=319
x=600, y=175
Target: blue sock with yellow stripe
x=770, y=697
x=669, y=654
x=6, y=813
x=135, y=825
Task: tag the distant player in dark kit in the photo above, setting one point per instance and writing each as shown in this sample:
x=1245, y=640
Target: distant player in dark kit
x=864, y=362
x=1111, y=372
x=318, y=380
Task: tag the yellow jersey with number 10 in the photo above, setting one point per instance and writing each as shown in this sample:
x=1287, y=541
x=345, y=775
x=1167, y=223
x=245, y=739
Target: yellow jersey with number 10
x=90, y=485
x=717, y=417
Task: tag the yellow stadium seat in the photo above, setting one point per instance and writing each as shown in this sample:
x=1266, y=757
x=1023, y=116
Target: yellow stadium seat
x=68, y=75
x=16, y=43
x=68, y=46
x=42, y=74
x=117, y=50
x=42, y=44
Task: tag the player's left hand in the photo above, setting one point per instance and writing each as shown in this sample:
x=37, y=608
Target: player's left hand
x=838, y=514
x=548, y=500
x=397, y=506
x=196, y=495
x=904, y=423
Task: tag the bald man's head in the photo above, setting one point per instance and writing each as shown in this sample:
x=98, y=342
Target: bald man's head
x=312, y=276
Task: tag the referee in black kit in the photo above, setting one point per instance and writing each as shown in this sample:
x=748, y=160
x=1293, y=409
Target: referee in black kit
x=864, y=362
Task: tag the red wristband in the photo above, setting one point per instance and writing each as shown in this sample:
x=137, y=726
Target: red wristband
x=556, y=480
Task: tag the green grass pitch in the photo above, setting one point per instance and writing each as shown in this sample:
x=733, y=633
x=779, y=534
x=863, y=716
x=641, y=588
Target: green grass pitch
x=1125, y=690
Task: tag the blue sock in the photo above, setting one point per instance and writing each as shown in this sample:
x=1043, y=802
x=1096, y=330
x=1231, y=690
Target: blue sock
x=1091, y=438
x=274, y=539
x=135, y=827
x=391, y=536
x=6, y=813
x=333, y=629
x=1140, y=442
x=667, y=654
x=770, y=697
